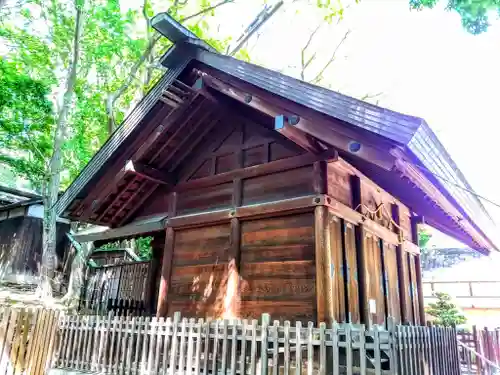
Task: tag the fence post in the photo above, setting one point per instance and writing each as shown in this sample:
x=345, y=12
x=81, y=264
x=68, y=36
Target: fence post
x=477, y=348
x=393, y=361
x=266, y=319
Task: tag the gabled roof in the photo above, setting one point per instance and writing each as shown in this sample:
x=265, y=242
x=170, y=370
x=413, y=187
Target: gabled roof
x=415, y=154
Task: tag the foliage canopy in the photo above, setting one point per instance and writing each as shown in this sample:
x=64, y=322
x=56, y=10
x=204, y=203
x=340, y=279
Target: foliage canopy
x=475, y=14
x=445, y=312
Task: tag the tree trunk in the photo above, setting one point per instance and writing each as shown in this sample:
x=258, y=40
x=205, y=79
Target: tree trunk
x=51, y=187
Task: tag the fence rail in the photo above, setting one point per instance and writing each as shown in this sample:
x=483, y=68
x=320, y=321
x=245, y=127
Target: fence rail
x=479, y=350
x=133, y=345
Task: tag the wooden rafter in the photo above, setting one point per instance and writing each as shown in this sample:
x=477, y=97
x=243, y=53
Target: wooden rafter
x=318, y=128
x=116, y=199
x=149, y=173
x=437, y=197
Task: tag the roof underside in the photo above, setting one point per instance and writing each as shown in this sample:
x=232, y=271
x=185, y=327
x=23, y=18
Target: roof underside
x=143, y=154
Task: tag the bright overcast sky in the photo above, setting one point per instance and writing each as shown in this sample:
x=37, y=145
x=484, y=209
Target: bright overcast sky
x=425, y=65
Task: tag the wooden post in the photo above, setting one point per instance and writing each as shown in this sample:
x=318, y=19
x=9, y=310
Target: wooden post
x=359, y=237
x=320, y=177
x=400, y=265
x=324, y=292
x=415, y=220
x=232, y=297
x=166, y=271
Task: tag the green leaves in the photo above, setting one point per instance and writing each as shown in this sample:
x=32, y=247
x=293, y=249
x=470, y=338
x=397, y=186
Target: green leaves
x=445, y=312
x=475, y=14
x=26, y=123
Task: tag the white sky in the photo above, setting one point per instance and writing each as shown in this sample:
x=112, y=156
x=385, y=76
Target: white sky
x=424, y=63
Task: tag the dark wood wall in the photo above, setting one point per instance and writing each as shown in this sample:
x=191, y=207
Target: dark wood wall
x=257, y=225
x=21, y=246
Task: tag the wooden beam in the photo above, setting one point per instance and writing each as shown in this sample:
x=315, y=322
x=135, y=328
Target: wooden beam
x=415, y=220
x=418, y=178
x=324, y=287
x=149, y=173
x=232, y=296
x=268, y=209
x=320, y=182
x=166, y=272
x=258, y=170
x=318, y=127
x=282, y=125
x=359, y=238
x=400, y=266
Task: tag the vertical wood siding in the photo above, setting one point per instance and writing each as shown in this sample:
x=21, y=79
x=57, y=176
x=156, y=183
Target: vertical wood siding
x=199, y=271
x=277, y=268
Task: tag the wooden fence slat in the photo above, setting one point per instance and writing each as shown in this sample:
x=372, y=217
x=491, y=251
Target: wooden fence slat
x=234, y=345
x=244, y=327
x=159, y=339
x=40, y=341
x=35, y=342
x=189, y=362
x=298, y=348
x=182, y=346
x=286, y=337
x=335, y=349
x=124, y=340
x=348, y=339
x=224, y=346
x=377, y=356
x=197, y=355
x=129, y=366
x=173, y=351
x=166, y=333
x=264, y=342
x=110, y=367
x=253, y=348
x=310, y=353
x=17, y=343
x=362, y=349
x=275, y=339
x=206, y=349
x=145, y=345
x=138, y=345
x=215, y=347
x=152, y=345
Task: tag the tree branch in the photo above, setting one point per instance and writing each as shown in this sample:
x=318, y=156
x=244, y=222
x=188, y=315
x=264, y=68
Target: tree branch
x=305, y=64
x=113, y=97
x=331, y=60
x=206, y=10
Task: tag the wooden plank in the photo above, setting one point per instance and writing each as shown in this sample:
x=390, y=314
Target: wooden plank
x=149, y=173
x=253, y=348
x=223, y=367
x=243, y=352
x=324, y=292
x=351, y=272
x=257, y=170
x=190, y=343
x=286, y=347
x=377, y=356
x=335, y=349
x=348, y=350
x=275, y=340
x=337, y=270
x=175, y=344
x=322, y=349
x=166, y=273
x=234, y=345
x=198, y=340
x=215, y=347
x=310, y=352
x=168, y=336
x=298, y=348
x=233, y=271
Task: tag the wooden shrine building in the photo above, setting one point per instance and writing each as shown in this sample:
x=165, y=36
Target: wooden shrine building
x=267, y=194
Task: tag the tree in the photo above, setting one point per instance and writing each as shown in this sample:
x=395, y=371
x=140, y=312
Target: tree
x=445, y=312
x=103, y=72
x=475, y=14
x=424, y=236
x=26, y=122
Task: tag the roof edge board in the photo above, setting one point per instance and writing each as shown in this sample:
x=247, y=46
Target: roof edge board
x=125, y=129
